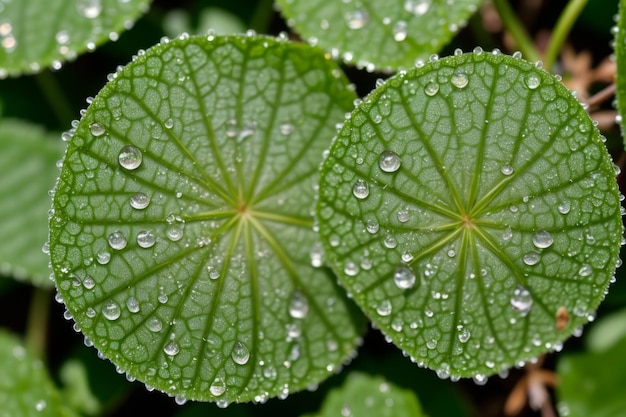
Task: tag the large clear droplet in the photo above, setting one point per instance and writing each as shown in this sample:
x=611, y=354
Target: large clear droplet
x=111, y=310
x=171, y=348
x=218, y=387
x=389, y=161
x=97, y=129
x=459, y=79
x=463, y=334
x=521, y=300
x=531, y=258
x=360, y=189
x=357, y=19
x=154, y=324
x=532, y=81
x=132, y=304
x=384, y=308
x=130, y=157
x=372, y=226
x=585, y=270
x=117, y=240
x=240, y=353
x=506, y=169
x=139, y=201
x=542, y=239
x=431, y=88
x=564, y=207
x=404, y=278
x=146, y=239
x=299, y=305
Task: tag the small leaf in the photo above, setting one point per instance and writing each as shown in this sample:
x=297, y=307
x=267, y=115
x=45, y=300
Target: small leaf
x=471, y=208
x=182, y=239
x=27, y=173
x=379, y=33
x=26, y=389
x=606, y=332
x=592, y=384
x=366, y=395
x=33, y=37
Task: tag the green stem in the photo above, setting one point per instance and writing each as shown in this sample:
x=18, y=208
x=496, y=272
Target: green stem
x=562, y=29
x=56, y=99
x=37, y=324
x=516, y=29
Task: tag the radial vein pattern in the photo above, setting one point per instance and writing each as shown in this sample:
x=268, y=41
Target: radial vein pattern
x=182, y=239
x=472, y=209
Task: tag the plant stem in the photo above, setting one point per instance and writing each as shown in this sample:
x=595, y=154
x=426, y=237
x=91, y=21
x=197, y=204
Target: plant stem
x=562, y=29
x=37, y=325
x=56, y=99
x=516, y=29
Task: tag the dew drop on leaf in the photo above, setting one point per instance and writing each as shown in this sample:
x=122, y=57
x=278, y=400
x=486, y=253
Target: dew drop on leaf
x=531, y=258
x=360, y=189
x=357, y=19
x=532, y=81
x=117, y=240
x=90, y=9
x=111, y=310
x=403, y=216
x=431, y=88
x=585, y=270
x=154, y=324
x=132, y=304
x=506, y=169
x=218, y=387
x=130, y=157
x=89, y=282
x=542, y=239
x=240, y=353
x=372, y=226
x=299, y=305
x=521, y=300
x=97, y=129
x=400, y=31
x=390, y=242
x=404, y=278
x=463, y=334
x=171, y=348
x=389, y=161
x=139, y=201
x=459, y=79
x=417, y=7
x=350, y=269
x=146, y=239
x=384, y=308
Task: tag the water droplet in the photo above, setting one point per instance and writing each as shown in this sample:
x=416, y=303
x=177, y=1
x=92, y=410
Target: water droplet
x=89, y=282
x=97, y=129
x=431, y=88
x=154, y=324
x=139, y=201
x=299, y=305
x=403, y=216
x=507, y=234
x=390, y=242
x=90, y=9
x=146, y=239
x=357, y=19
x=372, y=226
x=464, y=334
x=174, y=232
x=431, y=344
x=542, y=239
x=521, y=300
x=404, y=278
x=169, y=123
x=132, y=304
x=117, y=240
x=130, y=157
x=480, y=379
x=350, y=269
x=317, y=255
x=360, y=189
x=417, y=7
x=532, y=81
x=532, y=258
x=389, y=161
x=111, y=310
x=171, y=348
x=506, y=169
x=41, y=405
x=240, y=353
x=459, y=79
x=585, y=270
x=286, y=129
x=218, y=387
x=407, y=257
x=564, y=207
x=400, y=31
x=384, y=308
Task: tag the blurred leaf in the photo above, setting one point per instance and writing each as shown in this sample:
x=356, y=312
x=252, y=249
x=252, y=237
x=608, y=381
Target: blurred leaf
x=384, y=33
x=33, y=37
x=27, y=173
x=592, y=384
x=606, y=332
x=76, y=390
x=25, y=387
x=182, y=234
x=471, y=209
x=366, y=395
x=620, y=58
x=220, y=21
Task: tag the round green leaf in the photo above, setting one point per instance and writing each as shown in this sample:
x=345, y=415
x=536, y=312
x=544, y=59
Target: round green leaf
x=366, y=395
x=27, y=173
x=386, y=34
x=33, y=36
x=182, y=238
x=471, y=208
x=26, y=389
